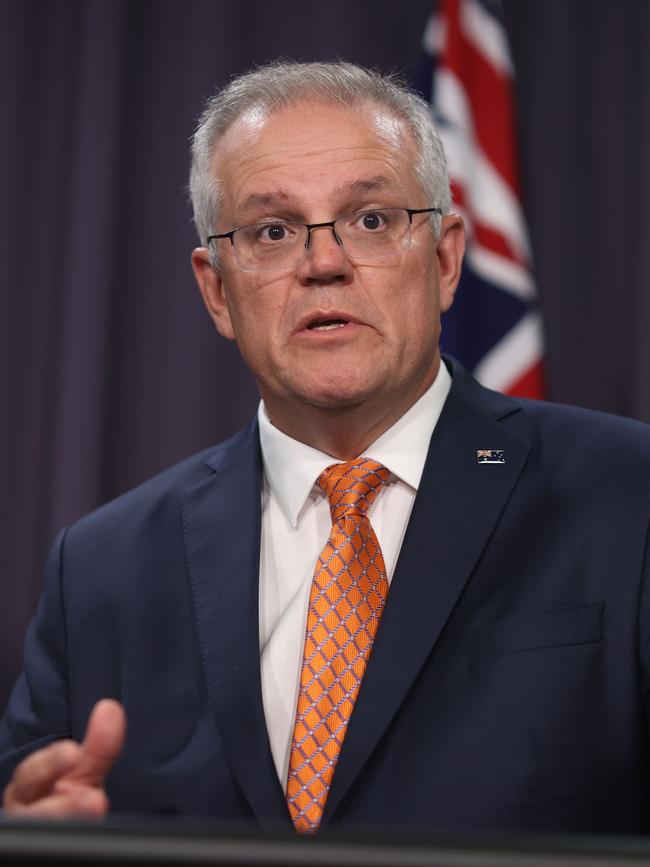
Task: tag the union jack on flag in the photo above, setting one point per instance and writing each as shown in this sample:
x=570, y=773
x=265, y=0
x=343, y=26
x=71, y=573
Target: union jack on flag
x=493, y=327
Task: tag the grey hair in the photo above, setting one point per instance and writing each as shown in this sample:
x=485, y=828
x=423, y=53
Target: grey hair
x=281, y=84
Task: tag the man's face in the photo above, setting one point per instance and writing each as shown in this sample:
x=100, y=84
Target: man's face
x=313, y=163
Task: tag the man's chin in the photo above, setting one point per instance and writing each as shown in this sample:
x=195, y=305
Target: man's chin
x=337, y=403
x=338, y=394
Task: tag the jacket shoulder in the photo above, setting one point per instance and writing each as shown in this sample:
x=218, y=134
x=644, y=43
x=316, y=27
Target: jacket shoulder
x=151, y=500
x=589, y=431
x=567, y=441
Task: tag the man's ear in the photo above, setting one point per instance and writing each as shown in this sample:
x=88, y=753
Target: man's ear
x=450, y=250
x=212, y=289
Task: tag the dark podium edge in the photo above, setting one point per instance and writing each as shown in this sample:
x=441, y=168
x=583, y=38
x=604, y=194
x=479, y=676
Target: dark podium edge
x=143, y=841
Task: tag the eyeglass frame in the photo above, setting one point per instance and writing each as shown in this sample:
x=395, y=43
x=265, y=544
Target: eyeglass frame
x=330, y=224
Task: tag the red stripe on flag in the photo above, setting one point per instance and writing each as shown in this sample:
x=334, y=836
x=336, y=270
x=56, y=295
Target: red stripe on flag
x=530, y=384
x=490, y=95
x=486, y=236
x=458, y=194
x=495, y=242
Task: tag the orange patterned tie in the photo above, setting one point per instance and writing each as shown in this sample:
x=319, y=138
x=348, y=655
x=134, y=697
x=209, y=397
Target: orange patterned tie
x=346, y=602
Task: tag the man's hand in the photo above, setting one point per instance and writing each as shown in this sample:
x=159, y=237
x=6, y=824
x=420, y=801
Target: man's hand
x=66, y=779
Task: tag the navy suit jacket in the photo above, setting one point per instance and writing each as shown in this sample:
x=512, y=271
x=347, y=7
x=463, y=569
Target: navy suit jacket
x=508, y=683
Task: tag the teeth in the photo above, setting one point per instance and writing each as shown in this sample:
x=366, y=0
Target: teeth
x=326, y=326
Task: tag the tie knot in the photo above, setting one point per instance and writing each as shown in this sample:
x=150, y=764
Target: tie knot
x=351, y=487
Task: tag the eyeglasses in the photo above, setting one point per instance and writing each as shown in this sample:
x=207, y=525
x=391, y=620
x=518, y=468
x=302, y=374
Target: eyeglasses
x=276, y=245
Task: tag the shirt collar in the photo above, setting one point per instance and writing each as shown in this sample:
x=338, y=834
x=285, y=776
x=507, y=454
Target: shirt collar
x=291, y=468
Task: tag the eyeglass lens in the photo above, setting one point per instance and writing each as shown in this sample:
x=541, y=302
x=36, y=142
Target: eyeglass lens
x=373, y=234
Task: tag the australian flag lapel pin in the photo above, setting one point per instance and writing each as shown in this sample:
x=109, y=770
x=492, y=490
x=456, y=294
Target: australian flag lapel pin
x=490, y=456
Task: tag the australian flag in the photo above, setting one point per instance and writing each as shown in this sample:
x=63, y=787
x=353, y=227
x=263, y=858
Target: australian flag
x=494, y=327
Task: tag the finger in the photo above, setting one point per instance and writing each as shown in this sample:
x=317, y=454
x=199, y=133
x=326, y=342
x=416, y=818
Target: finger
x=102, y=744
x=78, y=802
x=36, y=775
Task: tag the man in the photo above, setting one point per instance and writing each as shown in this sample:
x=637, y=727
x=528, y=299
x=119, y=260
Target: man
x=266, y=671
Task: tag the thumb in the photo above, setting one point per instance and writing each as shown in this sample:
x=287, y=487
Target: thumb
x=102, y=743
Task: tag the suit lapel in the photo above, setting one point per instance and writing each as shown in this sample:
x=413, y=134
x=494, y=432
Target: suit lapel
x=221, y=521
x=456, y=508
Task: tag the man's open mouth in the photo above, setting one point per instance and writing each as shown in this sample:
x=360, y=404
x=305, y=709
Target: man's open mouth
x=326, y=324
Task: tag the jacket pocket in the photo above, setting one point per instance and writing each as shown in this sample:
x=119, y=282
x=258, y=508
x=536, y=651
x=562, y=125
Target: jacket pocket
x=557, y=627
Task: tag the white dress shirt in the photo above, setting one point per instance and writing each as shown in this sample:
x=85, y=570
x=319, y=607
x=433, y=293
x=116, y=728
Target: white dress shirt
x=296, y=524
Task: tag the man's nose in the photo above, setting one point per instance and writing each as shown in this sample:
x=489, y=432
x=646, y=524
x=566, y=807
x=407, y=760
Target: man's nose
x=325, y=258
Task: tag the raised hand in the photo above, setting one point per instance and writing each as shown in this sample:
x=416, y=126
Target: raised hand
x=66, y=779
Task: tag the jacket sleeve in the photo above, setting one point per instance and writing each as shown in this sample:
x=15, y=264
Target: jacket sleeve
x=38, y=709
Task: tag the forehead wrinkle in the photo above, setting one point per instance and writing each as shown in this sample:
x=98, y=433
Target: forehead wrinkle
x=378, y=183
x=259, y=158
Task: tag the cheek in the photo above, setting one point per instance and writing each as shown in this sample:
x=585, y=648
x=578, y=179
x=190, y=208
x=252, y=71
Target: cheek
x=419, y=315
x=254, y=303
x=421, y=295
x=257, y=321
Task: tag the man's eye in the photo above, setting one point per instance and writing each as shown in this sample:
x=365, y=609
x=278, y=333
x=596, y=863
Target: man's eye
x=273, y=232
x=371, y=221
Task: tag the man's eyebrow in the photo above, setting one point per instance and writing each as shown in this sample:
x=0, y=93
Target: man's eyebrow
x=261, y=200
x=377, y=183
